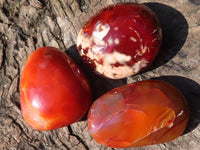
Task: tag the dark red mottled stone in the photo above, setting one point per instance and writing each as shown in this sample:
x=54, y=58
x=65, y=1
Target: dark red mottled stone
x=130, y=31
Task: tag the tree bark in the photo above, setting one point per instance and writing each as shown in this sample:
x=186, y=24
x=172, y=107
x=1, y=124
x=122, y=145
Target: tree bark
x=26, y=25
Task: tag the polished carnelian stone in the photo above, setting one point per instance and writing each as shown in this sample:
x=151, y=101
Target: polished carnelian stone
x=121, y=40
x=138, y=114
x=54, y=91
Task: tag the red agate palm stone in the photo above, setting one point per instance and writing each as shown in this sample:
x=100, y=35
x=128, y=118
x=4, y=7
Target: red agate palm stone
x=138, y=114
x=54, y=91
x=121, y=40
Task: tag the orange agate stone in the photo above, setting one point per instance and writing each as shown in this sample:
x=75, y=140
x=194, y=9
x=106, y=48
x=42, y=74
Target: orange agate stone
x=138, y=114
x=54, y=91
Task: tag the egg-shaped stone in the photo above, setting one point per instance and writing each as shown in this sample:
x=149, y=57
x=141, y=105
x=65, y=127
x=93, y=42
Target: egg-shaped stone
x=54, y=91
x=138, y=114
x=121, y=40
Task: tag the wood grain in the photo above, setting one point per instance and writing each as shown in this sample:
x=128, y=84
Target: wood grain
x=26, y=25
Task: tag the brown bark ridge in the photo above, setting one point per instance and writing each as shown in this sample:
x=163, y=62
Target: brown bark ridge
x=26, y=25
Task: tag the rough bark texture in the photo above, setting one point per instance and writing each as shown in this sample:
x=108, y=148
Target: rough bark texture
x=26, y=25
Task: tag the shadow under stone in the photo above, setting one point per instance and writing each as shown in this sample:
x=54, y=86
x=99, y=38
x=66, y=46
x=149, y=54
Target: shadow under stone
x=174, y=29
x=99, y=85
x=191, y=90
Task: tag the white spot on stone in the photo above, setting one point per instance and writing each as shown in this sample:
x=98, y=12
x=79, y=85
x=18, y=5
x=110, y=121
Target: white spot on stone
x=170, y=124
x=98, y=42
x=155, y=31
x=116, y=41
x=101, y=31
x=133, y=39
x=114, y=72
x=139, y=65
x=138, y=53
x=110, y=41
x=143, y=49
x=78, y=71
x=83, y=40
x=93, y=126
x=93, y=41
x=116, y=28
x=35, y=102
x=180, y=113
x=95, y=54
x=97, y=48
x=130, y=28
x=139, y=37
x=109, y=71
x=116, y=57
x=82, y=52
x=154, y=40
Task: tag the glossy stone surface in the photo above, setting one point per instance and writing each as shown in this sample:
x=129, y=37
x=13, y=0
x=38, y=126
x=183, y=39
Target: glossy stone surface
x=138, y=114
x=121, y=40
x=54, y=91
